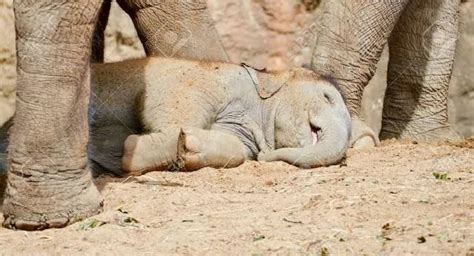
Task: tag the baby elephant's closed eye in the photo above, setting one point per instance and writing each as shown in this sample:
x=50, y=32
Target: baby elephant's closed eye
x=186, y=115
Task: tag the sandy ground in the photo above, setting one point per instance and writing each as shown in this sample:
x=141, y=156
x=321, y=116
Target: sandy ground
x=386, y=200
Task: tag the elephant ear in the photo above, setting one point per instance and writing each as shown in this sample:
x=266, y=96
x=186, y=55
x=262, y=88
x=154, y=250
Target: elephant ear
x=267, y=84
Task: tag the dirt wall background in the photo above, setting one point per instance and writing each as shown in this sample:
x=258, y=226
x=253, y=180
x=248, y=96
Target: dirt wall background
x=7, y=61
x=272, y=34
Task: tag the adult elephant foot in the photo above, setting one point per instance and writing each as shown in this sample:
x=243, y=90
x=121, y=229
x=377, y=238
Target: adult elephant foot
x=28, y=205
x=422, y=49
x=48, y=182
x=419, y=130
x=362, y=136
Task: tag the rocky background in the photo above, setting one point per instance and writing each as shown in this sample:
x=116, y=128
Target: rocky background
x=7, y=61
x=272, y=34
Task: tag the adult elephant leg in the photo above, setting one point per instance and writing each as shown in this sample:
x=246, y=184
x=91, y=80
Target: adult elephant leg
x=172, y=28
x=3, y=147
x=49, y=183
x=422, y=48
x=348, y=46
x=97, y=54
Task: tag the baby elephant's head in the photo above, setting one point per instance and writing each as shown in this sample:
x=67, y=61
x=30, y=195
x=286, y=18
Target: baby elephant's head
x=311, y=110
x=310, y=114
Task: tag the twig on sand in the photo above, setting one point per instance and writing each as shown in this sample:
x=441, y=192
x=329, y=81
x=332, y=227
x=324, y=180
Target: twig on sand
x=293, y=221
x=151, y=181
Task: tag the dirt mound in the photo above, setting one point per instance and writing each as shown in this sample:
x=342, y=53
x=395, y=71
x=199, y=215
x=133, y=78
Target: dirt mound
x=399, y=198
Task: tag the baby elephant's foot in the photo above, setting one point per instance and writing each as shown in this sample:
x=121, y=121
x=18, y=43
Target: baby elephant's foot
x=131, y=160
x=212, y=148
x=151, y=152
x=362, y=136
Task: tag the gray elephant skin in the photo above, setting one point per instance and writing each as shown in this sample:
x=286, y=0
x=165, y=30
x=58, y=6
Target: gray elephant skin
x=49, y=183
x=421, y=36
x=48, y=149
x=194, y=114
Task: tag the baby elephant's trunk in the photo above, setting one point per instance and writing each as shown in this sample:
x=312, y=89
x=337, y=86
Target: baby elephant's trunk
x=331, y=131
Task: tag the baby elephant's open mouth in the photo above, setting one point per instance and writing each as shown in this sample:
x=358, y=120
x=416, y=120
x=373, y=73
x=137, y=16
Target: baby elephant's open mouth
x=316, y=134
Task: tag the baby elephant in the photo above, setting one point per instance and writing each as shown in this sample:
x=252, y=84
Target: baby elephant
x=170, y=114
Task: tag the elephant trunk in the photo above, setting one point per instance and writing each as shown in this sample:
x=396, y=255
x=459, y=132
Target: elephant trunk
x=331, y=132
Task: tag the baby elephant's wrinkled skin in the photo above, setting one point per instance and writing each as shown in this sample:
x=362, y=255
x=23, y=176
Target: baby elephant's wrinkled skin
x=169, y=114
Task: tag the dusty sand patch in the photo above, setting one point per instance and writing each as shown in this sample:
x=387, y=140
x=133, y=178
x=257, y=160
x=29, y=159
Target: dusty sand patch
x=385, y=200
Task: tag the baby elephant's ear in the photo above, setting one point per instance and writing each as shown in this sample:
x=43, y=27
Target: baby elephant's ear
x=267, y=84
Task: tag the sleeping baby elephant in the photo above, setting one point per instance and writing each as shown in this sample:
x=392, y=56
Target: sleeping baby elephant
x=192, y=114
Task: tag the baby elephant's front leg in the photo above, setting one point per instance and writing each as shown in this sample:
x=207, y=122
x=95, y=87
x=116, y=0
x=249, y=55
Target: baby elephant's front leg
x=212, y=148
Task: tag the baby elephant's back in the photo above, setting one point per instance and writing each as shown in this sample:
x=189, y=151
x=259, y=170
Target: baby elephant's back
x=117, y=88
x=179, y=92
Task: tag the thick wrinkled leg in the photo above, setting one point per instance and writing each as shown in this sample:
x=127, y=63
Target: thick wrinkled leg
x=422, y=48
x=349, y=43
x=3, y=146
x=49, y=183
x=181, y=29
x=97, y=53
